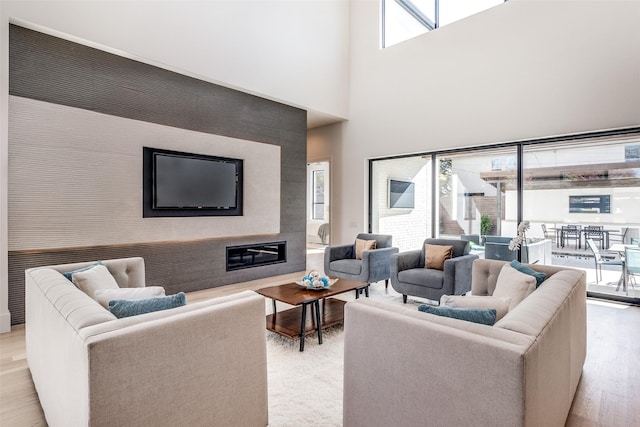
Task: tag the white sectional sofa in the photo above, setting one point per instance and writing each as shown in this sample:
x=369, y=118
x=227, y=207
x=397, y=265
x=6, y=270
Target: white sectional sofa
x=407, y=368
x=201, y=364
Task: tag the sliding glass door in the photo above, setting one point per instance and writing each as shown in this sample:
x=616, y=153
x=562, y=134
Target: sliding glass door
x=580, y=194
x=475, y=193
x=585, y=197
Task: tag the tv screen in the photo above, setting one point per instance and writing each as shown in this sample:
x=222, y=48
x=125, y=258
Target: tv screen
x=590, y=204
x=187, y=184
x=401, y=194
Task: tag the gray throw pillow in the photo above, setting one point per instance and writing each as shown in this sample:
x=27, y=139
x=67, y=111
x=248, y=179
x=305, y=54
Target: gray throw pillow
x=484, y=316
x=540, y=277
x=125, y=308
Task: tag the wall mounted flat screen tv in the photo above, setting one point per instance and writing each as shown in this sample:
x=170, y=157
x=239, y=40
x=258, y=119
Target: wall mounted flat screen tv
x=401, y=194
x=590, y=204
x=189, y=184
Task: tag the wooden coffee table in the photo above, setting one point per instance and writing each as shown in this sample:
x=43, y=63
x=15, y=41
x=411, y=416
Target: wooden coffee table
x=293, y=322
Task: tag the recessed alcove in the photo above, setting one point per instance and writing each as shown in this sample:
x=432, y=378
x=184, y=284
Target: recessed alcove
x=255, y=255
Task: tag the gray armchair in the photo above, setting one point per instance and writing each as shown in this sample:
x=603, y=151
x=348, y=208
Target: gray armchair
x=410, y=277
x=340, y=261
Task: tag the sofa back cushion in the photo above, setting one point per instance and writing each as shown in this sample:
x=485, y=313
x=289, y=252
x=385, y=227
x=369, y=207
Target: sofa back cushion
x=485, y=274
x=534, y=313
x=128, y=272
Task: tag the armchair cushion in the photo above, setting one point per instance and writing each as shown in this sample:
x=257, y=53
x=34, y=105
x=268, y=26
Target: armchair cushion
x=364, y=245
x=349, y=266
x=428, y=277
x=435, y=256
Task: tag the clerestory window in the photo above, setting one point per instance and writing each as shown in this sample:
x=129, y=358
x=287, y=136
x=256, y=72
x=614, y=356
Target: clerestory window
x=405, y=19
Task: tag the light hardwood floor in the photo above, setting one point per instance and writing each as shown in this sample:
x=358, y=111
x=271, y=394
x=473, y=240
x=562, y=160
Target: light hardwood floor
x=608, y=394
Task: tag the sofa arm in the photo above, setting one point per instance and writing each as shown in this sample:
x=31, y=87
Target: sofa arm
x=414, y=367
x=457, y=274
x=197, y=366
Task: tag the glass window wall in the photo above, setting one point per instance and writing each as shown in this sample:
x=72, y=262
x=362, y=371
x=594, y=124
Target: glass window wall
x=580, y=195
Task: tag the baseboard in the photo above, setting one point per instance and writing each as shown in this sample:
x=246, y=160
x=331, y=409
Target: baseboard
x=5, y=322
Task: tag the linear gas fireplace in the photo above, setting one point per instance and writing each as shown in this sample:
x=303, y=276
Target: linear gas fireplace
x=247, y=256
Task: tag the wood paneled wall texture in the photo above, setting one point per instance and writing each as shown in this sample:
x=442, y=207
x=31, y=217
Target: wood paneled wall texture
x=57, y=71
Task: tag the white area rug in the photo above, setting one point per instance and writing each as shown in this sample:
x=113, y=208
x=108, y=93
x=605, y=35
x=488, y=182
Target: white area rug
x=305, y=388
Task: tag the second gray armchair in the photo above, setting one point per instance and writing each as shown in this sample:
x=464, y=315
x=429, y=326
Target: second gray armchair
x=410, y=277
x=342, y=261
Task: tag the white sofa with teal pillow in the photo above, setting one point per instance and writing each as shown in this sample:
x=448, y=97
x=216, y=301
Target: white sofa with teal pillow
x=408, y=368
x=199, y=364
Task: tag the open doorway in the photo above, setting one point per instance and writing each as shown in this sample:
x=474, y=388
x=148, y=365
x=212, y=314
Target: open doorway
x=318, y=224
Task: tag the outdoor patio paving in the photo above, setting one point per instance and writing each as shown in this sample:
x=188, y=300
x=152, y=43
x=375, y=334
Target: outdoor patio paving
x=610, y=273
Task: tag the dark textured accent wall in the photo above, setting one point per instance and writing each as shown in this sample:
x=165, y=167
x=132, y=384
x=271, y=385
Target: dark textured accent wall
x=58, y=71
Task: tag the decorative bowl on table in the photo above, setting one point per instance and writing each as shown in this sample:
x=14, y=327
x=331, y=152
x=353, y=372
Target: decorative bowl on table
x=316, y=281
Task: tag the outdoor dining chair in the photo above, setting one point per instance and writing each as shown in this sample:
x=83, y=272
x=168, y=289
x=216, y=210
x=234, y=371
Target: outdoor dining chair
x=632, y=260
x=595, y=233
x=599, y=261
x=570, y=232
x=548, y=234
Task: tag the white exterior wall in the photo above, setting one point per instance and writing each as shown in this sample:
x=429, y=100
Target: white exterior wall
x=396, y=221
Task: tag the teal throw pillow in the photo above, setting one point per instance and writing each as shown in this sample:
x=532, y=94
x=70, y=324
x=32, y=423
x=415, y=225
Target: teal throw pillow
x=69, y=274
x=126, y=307
x=540, y=277
x=485, y=316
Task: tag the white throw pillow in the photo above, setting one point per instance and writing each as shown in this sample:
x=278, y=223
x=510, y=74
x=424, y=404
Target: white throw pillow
x=499, y=304
x=103, y=296
x=514, y=284
x=91, y=280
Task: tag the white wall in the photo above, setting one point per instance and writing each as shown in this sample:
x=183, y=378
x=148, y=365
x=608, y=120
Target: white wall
x=295, y=52
x=521, y=70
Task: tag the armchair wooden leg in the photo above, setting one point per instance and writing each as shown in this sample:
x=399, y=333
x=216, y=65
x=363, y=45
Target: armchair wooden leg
x=404, y=299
